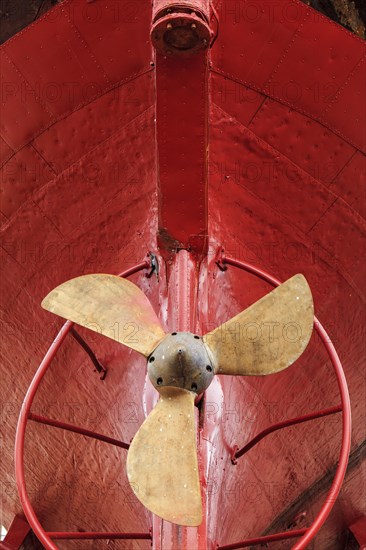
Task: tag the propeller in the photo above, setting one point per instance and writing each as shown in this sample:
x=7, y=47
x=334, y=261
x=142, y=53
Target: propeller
x=111, y=306
x=164, y=445
x=265, y=338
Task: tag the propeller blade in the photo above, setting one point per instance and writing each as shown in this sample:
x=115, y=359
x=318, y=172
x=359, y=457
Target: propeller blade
x=111, y=306
x=162, y=462
x=268, y=336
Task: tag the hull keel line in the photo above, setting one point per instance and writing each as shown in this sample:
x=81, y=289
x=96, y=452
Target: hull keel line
x=181, y=36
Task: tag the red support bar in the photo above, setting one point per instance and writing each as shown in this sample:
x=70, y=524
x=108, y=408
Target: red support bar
x=262, y=540
x=20, y=437
x=135, y=269
x=23, y=419
x=358, y=529
x=284, y=424
x=76, y=429
x=99, y=368
x=345, y=447
x=346, y=409
x=98, y=536
x=16, y=535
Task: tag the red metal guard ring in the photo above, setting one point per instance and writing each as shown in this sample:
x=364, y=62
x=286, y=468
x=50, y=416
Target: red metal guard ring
x=325, y=510
x=29, y=512
x=180, y=33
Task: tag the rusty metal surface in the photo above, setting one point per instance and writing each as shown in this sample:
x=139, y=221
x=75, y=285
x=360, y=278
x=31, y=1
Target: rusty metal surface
x=181, y=28
x=163, y=6
x=180, y=34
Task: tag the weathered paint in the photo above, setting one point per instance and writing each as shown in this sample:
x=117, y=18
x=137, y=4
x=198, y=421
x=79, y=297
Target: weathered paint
x=283, y=192
x=182, y=134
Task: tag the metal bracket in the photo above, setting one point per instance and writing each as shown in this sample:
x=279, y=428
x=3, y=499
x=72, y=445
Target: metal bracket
x=233, y=458
x=219, y=259
x=98, y=366
x=154, y=266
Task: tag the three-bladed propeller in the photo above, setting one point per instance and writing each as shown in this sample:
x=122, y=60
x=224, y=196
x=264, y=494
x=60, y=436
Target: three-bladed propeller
x=265, y=338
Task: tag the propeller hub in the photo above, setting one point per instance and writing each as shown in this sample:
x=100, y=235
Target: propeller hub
x=181, y=360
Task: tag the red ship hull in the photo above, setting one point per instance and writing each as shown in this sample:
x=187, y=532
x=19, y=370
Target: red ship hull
x=110, y=152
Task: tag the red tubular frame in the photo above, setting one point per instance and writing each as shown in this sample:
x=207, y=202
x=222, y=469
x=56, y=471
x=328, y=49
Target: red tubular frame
x=306, y=534
x=77, y=430
x=23, y=419
x=77, y=535
x=262, y=540
x=285, y=424
x=324, y=512
x=98, y=367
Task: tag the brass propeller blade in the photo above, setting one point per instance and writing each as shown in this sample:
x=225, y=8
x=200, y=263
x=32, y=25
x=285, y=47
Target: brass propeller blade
x=111, y=306
x=162, y=462
x=269, y=335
